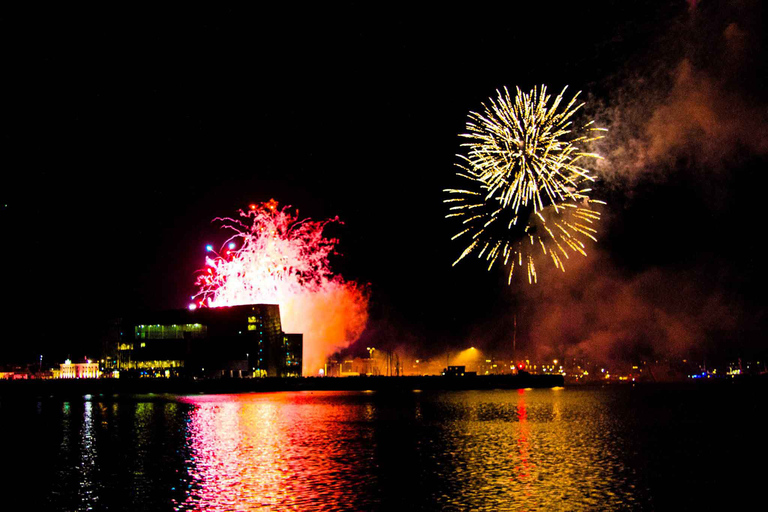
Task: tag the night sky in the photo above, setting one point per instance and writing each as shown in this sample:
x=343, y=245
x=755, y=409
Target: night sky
x=126, y=131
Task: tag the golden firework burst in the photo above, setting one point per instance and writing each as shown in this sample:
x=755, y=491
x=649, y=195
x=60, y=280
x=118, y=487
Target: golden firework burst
x=529, y=189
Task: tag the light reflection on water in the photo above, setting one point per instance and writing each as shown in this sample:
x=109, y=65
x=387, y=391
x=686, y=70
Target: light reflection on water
x=285, y=451
x=494, y=451
x=568, y=449
x=519, y=451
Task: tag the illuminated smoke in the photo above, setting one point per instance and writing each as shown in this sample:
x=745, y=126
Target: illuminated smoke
x=692, y=120
x=699, y=101
x=604, y=314
x=274, y=257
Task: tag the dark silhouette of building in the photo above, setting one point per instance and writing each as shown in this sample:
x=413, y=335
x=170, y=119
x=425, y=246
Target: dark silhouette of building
x=236, y=341
x=458, y=371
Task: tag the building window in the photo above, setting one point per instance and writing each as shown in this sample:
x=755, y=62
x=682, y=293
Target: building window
x=169, y=332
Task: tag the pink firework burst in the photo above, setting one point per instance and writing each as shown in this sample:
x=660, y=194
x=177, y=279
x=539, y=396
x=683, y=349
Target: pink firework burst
x=273, y=257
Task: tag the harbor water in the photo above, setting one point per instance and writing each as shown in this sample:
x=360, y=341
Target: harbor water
x=651, y=447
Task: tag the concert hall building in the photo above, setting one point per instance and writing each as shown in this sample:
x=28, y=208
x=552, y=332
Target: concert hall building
x=236, y=341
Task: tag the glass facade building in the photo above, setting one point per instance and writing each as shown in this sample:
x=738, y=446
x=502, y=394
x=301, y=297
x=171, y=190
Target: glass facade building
x=236, y=341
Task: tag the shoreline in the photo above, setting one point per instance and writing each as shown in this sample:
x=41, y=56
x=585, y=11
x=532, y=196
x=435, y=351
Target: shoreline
x=66, y=388
x=72, y=387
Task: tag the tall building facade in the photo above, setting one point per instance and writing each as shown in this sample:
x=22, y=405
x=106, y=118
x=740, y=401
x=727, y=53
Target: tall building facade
x=236, y=341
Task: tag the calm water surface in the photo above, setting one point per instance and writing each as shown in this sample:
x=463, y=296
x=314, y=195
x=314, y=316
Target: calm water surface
x=612, y=448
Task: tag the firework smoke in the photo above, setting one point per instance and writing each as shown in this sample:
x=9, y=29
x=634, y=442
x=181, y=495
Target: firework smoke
x=700, y=100
x=604, y=314
x=689, y=135
x=528, y=193
x=283, y=260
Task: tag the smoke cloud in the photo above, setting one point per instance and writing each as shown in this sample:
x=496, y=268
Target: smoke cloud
x=700, y=102
x=330, y=318
x=603, y=314
x=692, y=121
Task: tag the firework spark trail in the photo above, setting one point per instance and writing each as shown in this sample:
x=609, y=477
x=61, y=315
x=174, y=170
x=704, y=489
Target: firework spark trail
x=525, y=172
x=283, y=260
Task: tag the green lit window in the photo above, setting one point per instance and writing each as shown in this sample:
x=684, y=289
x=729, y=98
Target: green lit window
x=169, y=332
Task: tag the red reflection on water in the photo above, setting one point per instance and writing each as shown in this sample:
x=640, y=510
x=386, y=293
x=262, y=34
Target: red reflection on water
x=266, y=451
x=523, y=469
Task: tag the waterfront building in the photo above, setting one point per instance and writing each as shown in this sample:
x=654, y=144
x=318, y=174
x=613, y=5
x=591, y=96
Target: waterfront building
x=14, y=375
x=293, y=346
x=70, y=370
x=458, y=371
x=344, y=367
x=235, y=341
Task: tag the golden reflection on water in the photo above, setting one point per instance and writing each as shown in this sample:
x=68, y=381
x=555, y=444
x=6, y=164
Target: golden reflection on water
x=528, y=450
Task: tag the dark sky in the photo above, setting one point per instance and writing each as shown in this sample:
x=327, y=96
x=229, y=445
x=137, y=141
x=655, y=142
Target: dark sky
x=126, y=131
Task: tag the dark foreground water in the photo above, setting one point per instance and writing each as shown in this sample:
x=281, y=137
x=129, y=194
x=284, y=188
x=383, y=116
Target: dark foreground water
x=612, y=448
